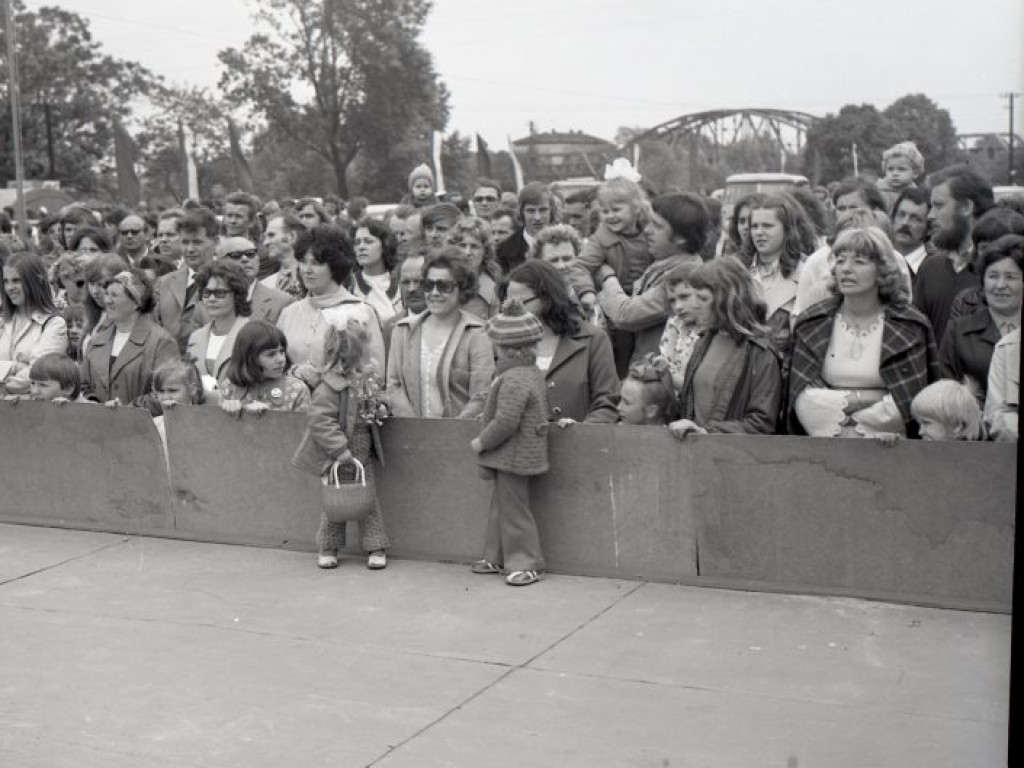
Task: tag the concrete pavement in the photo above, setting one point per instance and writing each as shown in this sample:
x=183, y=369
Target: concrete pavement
x=127, y=651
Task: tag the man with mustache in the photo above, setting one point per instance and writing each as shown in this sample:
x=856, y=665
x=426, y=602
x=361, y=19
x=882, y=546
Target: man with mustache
x=959, y=197
x=910, y=227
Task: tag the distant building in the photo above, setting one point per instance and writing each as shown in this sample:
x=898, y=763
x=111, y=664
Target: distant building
x=552, y=156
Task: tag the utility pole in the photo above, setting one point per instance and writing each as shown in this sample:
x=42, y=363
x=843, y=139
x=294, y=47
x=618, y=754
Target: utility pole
x=1010, y=174
x=15, y=92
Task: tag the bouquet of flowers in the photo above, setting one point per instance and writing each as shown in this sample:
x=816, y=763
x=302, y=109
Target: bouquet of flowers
x=373, y=408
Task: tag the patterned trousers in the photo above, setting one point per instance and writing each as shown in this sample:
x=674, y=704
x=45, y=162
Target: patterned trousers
x=330, y=537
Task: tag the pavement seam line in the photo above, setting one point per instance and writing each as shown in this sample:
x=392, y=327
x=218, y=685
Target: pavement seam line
x=62, y=562
x=477, y=694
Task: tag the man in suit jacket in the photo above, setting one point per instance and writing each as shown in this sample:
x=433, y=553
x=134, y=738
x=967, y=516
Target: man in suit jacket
x=178, y=308
x=267, y=302
x=537, y=209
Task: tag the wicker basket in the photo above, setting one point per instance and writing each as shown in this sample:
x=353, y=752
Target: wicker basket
x=344, y=501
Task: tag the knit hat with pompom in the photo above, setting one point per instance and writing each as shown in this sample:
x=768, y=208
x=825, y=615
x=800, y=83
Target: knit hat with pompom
x=421, y=172
x=514, y=326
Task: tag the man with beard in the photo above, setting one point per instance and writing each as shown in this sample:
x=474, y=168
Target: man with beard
x=959, y=197
x=910, y=226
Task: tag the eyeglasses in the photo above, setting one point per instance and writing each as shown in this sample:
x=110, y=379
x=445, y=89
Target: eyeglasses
x=216, y=293
x=485, y=199
x=248, y=253
x=444, y=287
x=130, y=231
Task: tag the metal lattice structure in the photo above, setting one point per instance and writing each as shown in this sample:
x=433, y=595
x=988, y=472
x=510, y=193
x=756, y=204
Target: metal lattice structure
x=972, y=142
x=724, y=127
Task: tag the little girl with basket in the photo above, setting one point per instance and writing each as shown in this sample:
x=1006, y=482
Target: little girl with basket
x=340, y=440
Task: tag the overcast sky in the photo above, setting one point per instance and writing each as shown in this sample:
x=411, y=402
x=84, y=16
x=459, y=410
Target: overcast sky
x=595, y=65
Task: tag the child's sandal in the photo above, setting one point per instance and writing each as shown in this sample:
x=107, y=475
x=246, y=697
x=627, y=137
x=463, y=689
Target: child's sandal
x=522, y=578
x=484, y=567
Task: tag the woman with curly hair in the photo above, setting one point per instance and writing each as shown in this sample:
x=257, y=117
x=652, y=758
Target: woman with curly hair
x=224, y=291
x=325, y=262
x=733, y=379
x=860, y=357
x=377, y=257
x=781, y=236
x=575, y=357
x=473, y=237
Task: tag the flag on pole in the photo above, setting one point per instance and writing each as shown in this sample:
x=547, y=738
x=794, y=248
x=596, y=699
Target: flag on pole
x=125, y=154
x=243, y=176
x=517, y=169
x=438, y=142
x=189, y=173
x=483, y=158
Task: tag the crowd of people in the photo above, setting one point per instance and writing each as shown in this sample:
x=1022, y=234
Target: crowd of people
x=884, y=310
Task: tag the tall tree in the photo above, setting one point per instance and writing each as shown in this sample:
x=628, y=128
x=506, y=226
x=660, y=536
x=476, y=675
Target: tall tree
x=339, y=77
x=922, y=121
x=206, y=120
x=832, y=139
x=70, y=91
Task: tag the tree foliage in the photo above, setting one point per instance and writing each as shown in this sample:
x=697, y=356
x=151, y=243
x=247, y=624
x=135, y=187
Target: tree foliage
x=69, y=92
x=913, y=117
x=921, y=120
x=339, y=77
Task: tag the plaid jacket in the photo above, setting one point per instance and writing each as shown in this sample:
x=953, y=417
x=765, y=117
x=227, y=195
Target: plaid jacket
x=910, y=361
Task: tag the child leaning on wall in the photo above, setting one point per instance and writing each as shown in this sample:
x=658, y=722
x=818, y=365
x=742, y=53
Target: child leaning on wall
x=944, y=410
x=513, y=446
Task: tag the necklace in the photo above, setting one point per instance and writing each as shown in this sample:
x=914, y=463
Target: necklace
x=859, y=330
x=765, y=271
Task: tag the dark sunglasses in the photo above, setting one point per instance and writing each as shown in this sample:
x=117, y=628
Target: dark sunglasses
x=248, y=253
x=444, y=287
x=485, y=199
x=79, y=283
x=130, y=231
x=217, y=293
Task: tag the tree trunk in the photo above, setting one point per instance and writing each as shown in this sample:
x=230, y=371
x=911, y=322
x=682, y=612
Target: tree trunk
x=340, y=177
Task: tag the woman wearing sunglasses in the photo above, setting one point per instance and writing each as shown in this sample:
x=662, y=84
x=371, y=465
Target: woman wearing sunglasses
x=441, y=363
x=29, y=324
x=224, y=293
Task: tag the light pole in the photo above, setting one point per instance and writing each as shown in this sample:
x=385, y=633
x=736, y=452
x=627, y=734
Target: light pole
x=15, y=92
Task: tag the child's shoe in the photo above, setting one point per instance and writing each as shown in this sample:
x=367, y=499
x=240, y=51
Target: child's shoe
x=377, y=560
x=483, y=566
x=522, y=578
x=326, y=561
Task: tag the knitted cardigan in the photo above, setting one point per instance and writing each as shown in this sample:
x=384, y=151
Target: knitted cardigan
x=514, y=437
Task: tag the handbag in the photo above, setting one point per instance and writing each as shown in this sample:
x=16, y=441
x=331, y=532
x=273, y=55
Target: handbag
x=348, y=500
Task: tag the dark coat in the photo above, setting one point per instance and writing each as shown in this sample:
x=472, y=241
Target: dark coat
x=748, y=388
x=267, y=303
x=910, y=361
x=131, y=375
x=967, y=348
x=581, y=380
x=513, y=251
x=176, y=316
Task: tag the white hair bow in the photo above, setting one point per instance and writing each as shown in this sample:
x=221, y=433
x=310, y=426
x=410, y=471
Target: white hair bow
x=621, y=169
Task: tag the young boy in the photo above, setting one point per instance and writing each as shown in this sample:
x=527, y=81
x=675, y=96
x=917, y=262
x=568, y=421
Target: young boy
x=513, y=447
x=902, y=164
x=948, y=410
x=646, y=396
x=55, y=379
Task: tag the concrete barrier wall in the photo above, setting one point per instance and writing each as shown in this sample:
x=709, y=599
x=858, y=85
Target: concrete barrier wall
x=924, y=523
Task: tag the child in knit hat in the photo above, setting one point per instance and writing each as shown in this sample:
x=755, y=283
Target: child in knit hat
x=421, y=187
x=513, y=447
